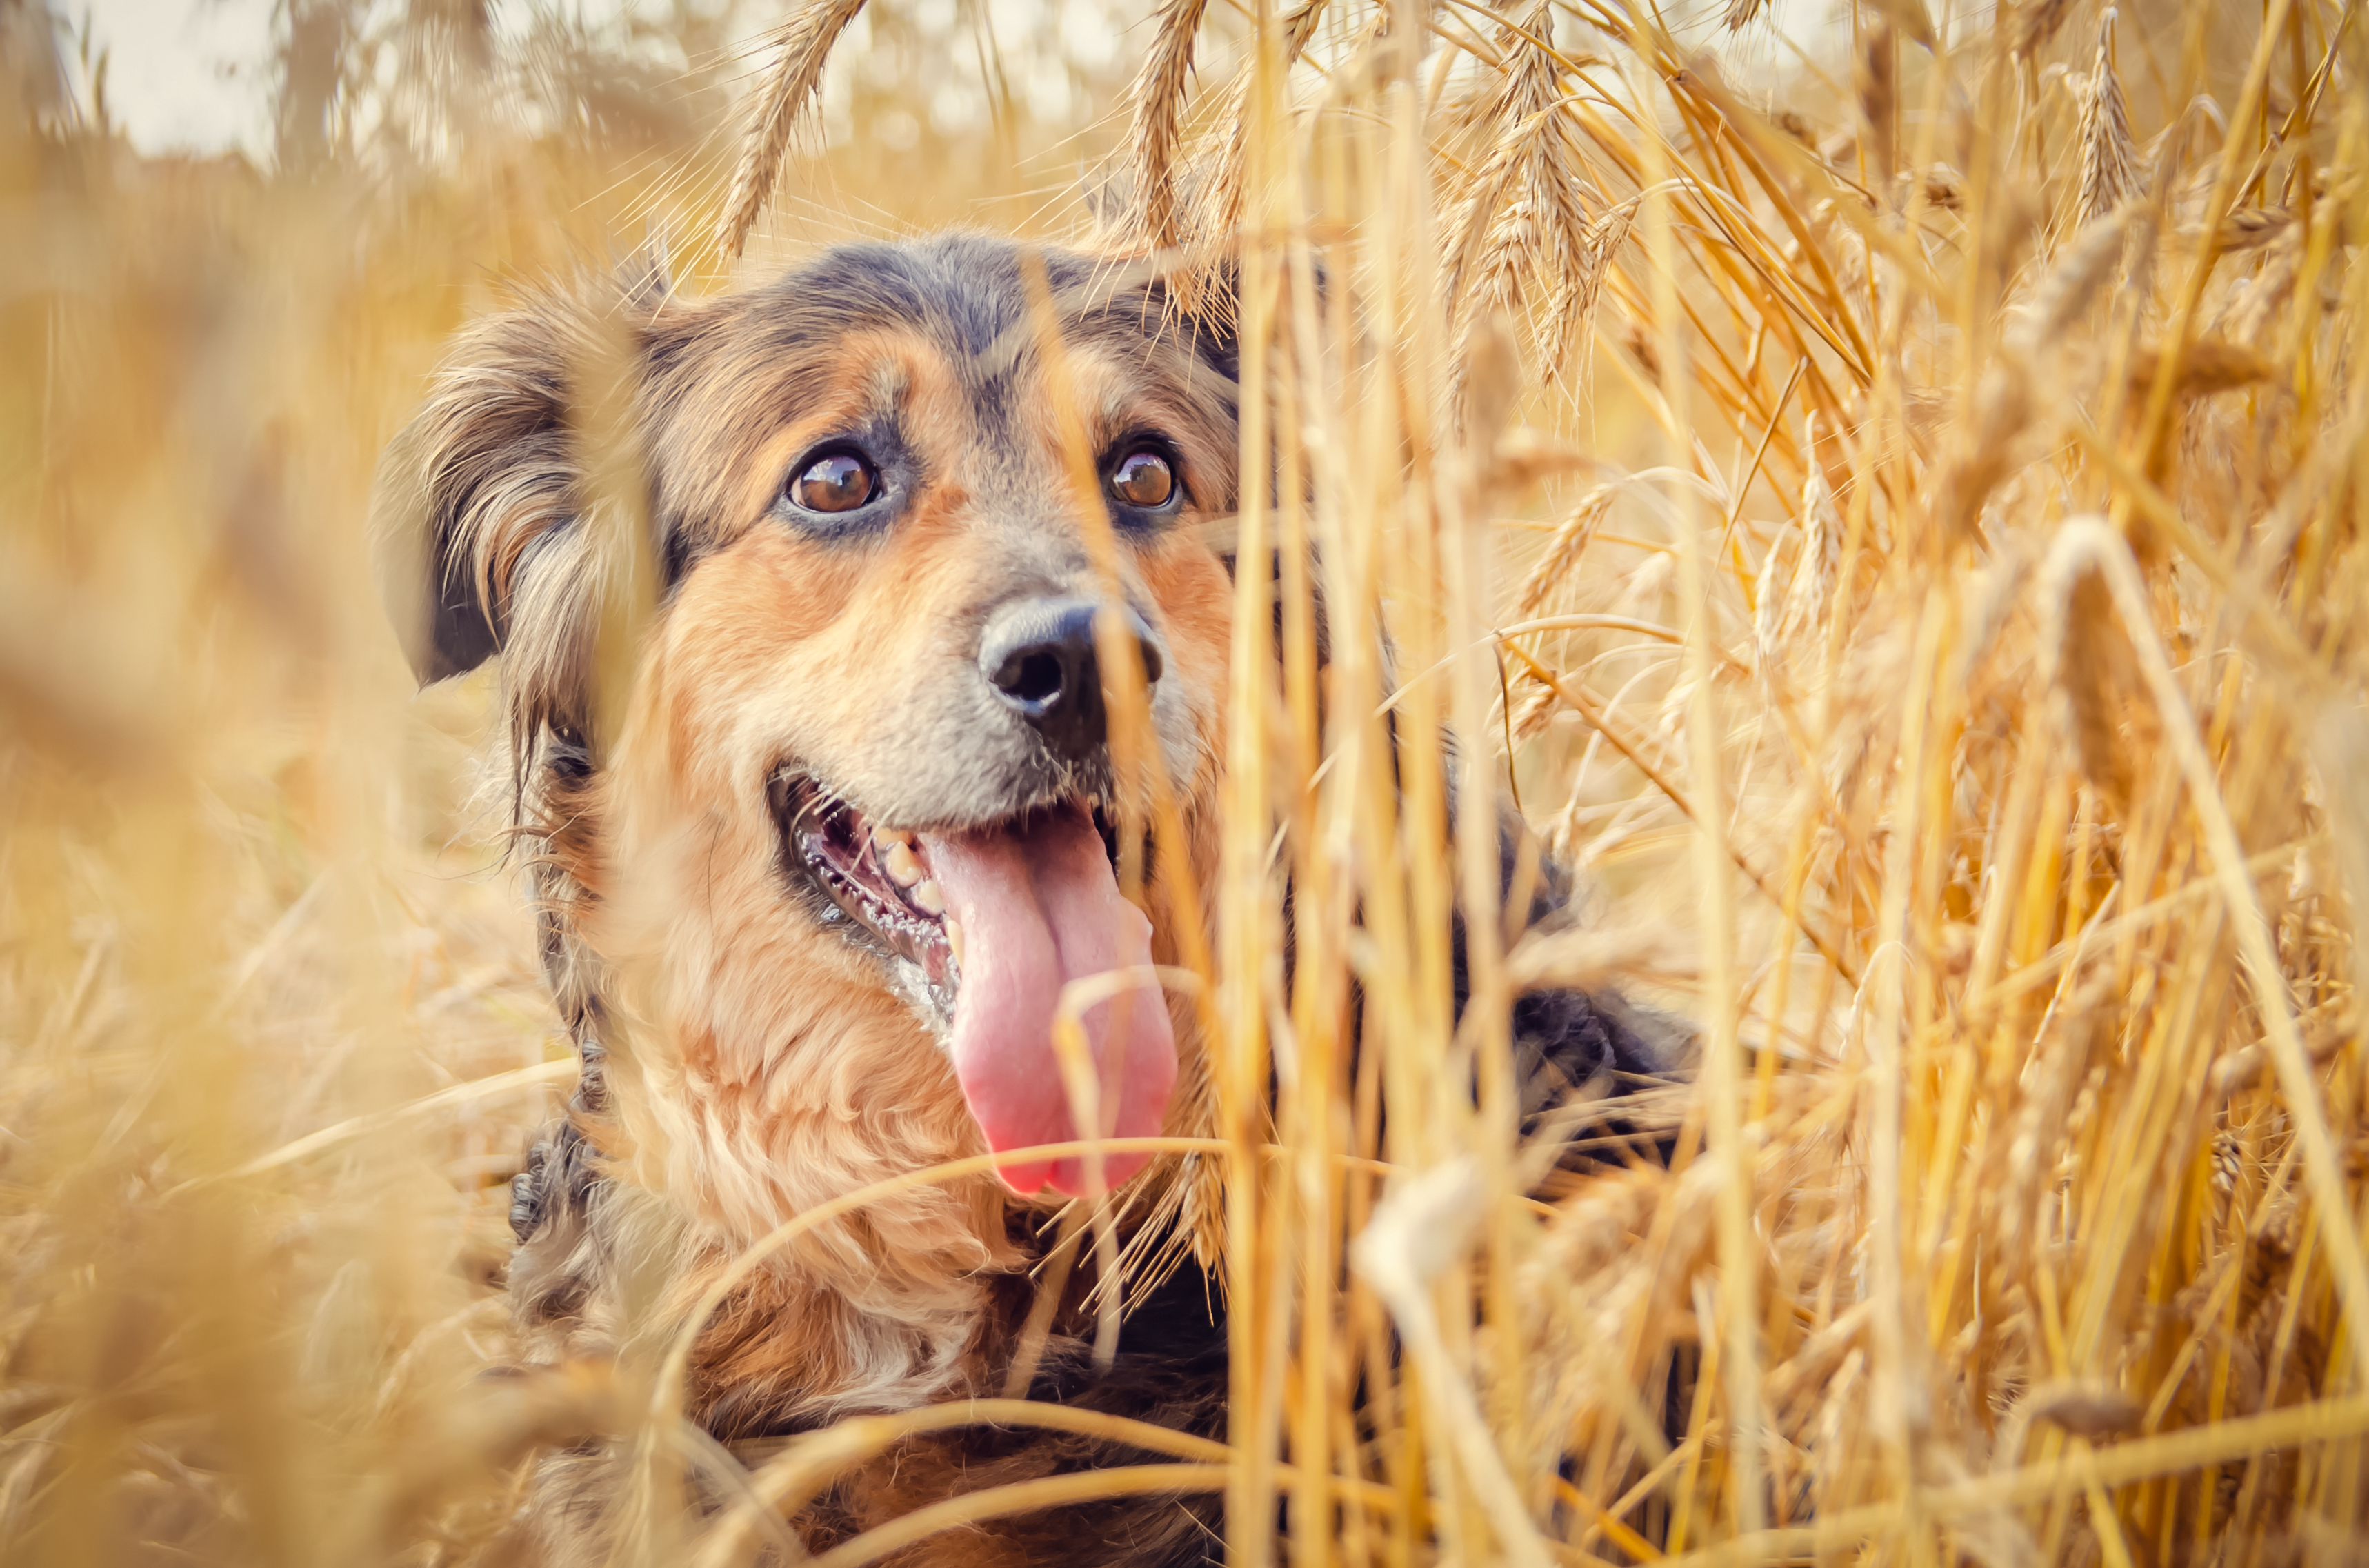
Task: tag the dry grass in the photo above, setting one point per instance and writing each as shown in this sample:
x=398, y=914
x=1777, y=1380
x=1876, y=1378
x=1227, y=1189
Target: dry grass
x=1931, y=614
x=776, y=111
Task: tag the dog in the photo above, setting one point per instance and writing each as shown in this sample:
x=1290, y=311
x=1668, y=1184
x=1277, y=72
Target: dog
x=812, y=874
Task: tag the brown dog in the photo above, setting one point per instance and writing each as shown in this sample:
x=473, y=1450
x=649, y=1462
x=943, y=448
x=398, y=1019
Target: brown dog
x=858, y=827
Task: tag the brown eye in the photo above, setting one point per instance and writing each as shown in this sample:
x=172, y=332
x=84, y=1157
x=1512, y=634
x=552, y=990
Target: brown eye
x=1143, y=480
x=840, y=482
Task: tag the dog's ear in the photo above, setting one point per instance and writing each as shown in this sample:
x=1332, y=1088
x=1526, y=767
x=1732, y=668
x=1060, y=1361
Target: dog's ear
x=1203, y=307
x=474, y=511
x=484, y=472
x=1203, y=304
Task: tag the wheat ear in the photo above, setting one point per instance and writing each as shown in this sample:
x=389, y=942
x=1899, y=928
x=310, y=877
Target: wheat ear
x=1220, y=200
x=2110, y=161
x=774, y=116
x=1159, y=122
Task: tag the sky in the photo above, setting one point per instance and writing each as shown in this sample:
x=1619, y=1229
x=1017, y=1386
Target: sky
x=185, y=76
x=192, y=76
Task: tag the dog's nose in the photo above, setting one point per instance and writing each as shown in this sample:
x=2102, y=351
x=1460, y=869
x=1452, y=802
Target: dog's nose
x=1039, y=657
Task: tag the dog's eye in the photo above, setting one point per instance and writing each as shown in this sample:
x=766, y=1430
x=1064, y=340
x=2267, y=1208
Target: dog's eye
x=1142, y=478
x=838, y=482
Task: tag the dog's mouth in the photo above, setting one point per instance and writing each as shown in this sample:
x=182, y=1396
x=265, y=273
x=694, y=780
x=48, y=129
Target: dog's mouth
x=997, y=922
x=876, y=878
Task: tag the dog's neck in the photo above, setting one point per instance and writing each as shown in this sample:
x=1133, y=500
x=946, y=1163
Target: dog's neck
x=728, y=1092
x=875, y=1309
x=708, y=1145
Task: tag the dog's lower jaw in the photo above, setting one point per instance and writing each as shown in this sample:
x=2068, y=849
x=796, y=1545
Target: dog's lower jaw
x=928, y=1002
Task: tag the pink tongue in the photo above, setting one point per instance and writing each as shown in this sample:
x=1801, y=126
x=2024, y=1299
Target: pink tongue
x=1039, y=908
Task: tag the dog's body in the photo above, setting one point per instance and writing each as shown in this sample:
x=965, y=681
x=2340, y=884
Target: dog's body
x=858, y=825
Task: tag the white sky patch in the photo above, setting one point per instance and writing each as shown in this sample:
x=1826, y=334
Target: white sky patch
x=195, y=75
x=187, y=76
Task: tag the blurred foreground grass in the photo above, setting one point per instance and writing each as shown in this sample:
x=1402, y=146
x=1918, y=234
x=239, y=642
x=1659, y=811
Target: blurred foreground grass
x=1996, y=1223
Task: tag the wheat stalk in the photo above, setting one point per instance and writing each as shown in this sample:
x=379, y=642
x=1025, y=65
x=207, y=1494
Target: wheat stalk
x=1159, y=120
x=1219, y=198
x=2110, y=161
x=1522, y=235
x=1571, y=312
x=2037, y=21
x=2043, y=949
x=775, y=113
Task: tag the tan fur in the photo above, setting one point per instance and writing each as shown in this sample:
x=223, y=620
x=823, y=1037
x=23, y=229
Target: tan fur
x=748, y=1054
x=747, y=1061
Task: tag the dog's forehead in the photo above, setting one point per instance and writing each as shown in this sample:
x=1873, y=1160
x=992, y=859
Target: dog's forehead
x=938, y=344
x=971, y=292
x=980, y=303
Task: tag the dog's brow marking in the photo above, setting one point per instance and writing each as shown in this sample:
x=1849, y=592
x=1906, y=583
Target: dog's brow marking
x=1003, y=353
x=891, y=382
x=1122, y=400
x=1074, y=305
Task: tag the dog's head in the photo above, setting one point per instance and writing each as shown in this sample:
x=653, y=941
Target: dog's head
x=861, y=824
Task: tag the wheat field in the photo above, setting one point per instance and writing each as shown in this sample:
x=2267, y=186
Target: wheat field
x=1880, y=491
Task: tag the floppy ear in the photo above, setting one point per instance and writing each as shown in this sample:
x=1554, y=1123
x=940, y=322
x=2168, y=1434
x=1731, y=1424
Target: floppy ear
x=481, y=475
x=475, y=516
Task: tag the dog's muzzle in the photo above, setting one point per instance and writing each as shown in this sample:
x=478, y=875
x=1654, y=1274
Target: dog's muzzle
x=1040, y=658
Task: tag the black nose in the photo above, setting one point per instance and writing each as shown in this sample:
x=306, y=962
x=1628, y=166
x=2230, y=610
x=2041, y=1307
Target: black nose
x=1039, y=656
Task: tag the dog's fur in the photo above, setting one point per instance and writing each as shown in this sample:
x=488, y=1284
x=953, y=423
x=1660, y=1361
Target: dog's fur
x=746, y=1058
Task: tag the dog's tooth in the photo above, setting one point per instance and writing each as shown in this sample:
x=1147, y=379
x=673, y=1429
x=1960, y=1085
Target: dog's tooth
x=902, y=864
x=955, y=938
x=886, y=838
x=928, y=895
